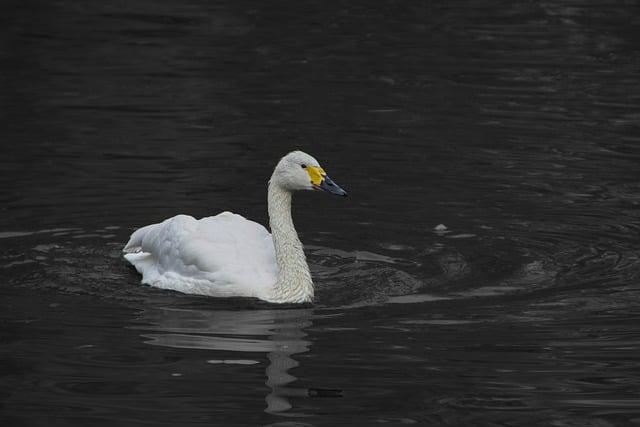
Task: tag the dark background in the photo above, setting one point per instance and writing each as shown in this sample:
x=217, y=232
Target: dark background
x=513, y=123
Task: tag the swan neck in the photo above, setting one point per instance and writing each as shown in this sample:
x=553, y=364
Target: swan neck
x=293, y=282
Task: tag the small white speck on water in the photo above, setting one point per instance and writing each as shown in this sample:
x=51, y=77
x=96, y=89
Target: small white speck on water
x=441, y=229
x=82, y=347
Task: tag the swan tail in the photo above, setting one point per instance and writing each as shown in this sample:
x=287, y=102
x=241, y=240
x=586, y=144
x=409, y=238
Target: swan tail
x=144, y=264
x=135, y=241
x=143, y=261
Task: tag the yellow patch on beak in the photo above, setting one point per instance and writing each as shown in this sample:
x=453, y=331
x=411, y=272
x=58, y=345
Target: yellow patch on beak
x=316, y=174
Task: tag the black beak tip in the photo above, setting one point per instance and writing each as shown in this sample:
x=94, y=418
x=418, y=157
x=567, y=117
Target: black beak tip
x=331, y=187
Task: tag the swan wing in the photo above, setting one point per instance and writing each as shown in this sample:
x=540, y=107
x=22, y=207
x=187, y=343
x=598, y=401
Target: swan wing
x=222, y=255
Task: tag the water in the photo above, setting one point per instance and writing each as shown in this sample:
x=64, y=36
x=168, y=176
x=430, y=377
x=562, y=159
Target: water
x=514, y=125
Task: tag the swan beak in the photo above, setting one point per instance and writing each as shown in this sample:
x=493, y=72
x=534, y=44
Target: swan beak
x=331, y=187
x=321, y=181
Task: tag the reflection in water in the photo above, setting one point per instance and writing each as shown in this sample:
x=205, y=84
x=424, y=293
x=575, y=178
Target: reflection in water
x=279, y=333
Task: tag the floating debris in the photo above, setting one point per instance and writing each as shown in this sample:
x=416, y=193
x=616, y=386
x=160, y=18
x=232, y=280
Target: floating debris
x=441, y=229
x=233, y=361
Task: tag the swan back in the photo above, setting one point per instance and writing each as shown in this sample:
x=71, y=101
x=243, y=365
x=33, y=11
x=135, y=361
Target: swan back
x=222, y=255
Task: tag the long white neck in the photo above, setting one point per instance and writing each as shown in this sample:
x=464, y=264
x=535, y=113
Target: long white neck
x=294, y=282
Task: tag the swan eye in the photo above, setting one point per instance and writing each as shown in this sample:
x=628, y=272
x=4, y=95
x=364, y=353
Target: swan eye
x=303, y=166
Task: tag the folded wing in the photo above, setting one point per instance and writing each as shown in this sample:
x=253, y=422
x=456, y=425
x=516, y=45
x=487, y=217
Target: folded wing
x=223, y=255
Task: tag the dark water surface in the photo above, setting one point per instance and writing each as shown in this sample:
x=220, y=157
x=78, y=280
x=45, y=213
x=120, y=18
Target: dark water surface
x=514, y=124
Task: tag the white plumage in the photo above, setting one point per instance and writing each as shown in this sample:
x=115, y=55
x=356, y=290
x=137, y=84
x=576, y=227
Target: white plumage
x=227, y=255
x=223, y=255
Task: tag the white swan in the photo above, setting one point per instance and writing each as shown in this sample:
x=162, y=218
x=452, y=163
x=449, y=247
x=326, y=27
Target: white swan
x=227, y=255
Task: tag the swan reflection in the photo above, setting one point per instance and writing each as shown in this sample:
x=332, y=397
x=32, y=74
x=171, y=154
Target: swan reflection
x=279, y=333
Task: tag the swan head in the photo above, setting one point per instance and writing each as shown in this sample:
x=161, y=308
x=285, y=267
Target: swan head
x=300, y=171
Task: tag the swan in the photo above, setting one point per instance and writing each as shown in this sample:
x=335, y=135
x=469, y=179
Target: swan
x=227, y=255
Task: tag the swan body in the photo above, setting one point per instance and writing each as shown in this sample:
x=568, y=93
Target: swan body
x=222, y=255
x=227, y=255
